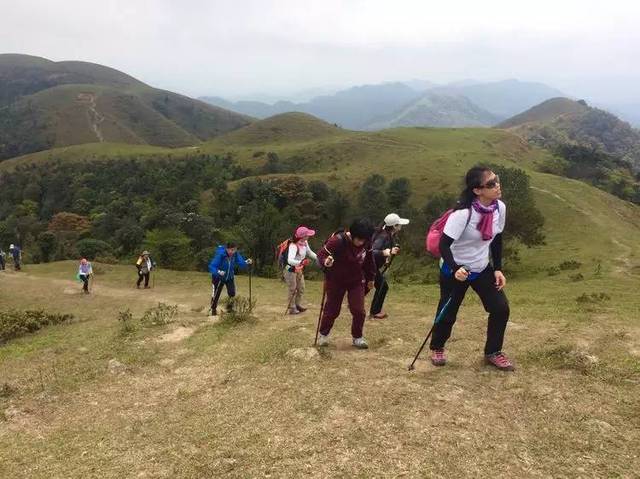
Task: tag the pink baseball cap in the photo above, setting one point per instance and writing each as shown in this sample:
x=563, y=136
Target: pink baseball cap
x=303, y=231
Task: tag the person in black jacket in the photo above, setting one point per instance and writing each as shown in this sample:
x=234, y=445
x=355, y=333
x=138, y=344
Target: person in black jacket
x=384, y=248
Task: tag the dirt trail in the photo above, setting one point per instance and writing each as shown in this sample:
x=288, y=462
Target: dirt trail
x=101, y=289
x=94, y=116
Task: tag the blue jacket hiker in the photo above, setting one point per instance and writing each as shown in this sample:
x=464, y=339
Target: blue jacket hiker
x=222, y=268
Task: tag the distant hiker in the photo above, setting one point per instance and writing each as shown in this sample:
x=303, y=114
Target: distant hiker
x=471, y=236
x=349, y=269
x=145, y=265
x=385, y=248
x=222, y=268
x=3, y=261
x=297, y=252
x=85, y=271
x=16, y=254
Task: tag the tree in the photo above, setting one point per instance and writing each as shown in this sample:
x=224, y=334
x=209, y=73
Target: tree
x=47, y=242
x=261, y=229
x=170, y=248
x=90, y=248
x=372, y=200
x=436, y=205
x=524, y=219
x=398, y=194
x=337, y=208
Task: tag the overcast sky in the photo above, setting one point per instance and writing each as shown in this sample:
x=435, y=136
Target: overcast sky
x=237, y=48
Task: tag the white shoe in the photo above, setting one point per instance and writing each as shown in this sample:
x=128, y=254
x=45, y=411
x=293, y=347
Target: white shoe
x=360, y=343
x=323, y=340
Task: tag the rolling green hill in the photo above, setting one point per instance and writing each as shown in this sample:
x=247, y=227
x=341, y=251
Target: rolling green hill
x=46, y=104
x=581, y=222
x=283, y=128
x=561, y=121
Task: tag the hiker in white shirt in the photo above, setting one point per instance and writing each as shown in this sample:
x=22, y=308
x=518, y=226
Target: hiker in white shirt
x=299, y=254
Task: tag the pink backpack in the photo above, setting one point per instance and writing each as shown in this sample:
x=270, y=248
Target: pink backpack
x=436, y=230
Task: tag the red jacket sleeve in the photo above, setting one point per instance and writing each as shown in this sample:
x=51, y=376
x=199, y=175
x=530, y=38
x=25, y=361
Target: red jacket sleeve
x=332, y=245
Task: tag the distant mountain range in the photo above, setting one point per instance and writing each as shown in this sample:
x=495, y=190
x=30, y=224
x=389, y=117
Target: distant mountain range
x=411, y=103
x=45, y=104
x=561, y=121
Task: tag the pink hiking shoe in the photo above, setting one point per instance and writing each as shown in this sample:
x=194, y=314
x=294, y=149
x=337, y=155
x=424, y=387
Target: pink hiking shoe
x=500, y=361
x=438, y=357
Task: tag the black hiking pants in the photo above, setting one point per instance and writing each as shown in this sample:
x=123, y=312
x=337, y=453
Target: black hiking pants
x=217, y=291
x=85, y=282
x=144, y=276
x=495, y=303
x=382, y=287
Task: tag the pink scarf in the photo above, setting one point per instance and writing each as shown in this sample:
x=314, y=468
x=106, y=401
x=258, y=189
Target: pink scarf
x=485, y=226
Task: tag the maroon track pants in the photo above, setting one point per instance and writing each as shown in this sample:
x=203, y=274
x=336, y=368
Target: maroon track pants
x=333, y=304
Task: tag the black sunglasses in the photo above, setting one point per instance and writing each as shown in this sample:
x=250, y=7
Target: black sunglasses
x=491, y=184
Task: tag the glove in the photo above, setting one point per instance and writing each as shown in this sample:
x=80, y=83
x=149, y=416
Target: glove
x=305, y=262
x=221, y=273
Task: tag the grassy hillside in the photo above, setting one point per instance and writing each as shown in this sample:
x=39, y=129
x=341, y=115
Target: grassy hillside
x=197, y=398
x=200, y=399
x=545, y=111
x=49, y=104
x=284, y=128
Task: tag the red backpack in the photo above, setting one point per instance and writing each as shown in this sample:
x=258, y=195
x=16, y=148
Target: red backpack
x=282, y=251
x=436, y=230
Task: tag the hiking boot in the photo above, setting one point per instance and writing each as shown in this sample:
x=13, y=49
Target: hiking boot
x=438, y=358
x=379, y=315
x=301, y=309
x=500, y=361
x=360, y=343
x=323, y=340
x=293, y=311
x=214, y=312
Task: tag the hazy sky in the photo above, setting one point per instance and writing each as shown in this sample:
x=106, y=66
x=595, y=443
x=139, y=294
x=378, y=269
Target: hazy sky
x=232, y=48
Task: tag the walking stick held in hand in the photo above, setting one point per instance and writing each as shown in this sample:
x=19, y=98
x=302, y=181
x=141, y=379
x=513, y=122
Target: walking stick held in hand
x=324, y=297
x=441, y=314
x=250, y=299
x=390, y=259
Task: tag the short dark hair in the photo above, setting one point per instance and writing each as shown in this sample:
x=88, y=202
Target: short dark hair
x=362, y=228
x=231, y=244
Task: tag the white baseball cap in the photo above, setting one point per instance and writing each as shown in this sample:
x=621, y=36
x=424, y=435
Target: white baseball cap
x=393, y=219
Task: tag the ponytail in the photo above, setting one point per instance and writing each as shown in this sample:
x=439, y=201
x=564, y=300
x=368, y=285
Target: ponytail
x=473, y=179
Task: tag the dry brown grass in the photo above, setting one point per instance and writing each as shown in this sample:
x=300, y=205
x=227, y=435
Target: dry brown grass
x=227, y=400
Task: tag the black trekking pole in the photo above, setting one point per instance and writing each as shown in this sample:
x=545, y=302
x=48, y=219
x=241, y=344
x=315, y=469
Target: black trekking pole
x=250, y=298
x=441, y=314
x=387, y=264
x=324, y=297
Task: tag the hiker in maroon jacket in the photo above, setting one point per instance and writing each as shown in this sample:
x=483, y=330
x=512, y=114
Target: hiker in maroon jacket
x=350, y=270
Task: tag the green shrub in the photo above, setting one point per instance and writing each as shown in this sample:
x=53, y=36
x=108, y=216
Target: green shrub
x=127, y=325
x=15, y=323
x=593, y=298
x=159, y=315
x=569, y=265
x=241, y=310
